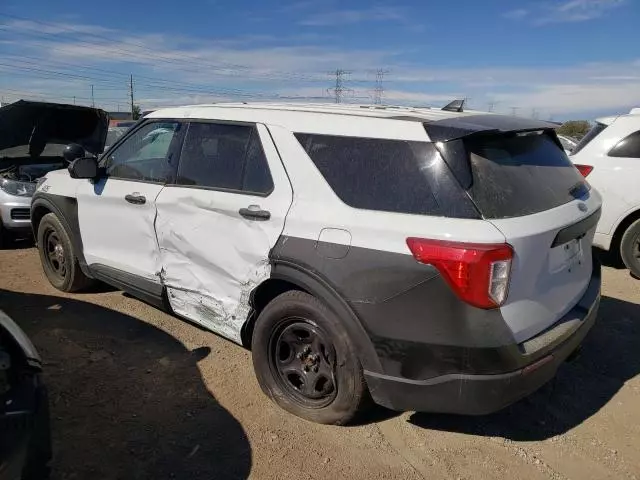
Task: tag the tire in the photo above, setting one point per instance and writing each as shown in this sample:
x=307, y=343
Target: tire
x=630, y=248
x=58, y=257
x=305, y=362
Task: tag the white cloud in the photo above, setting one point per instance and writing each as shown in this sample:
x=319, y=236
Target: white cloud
x=171, y=70
x=578, y=11
x=516, y=14
x=346, y=17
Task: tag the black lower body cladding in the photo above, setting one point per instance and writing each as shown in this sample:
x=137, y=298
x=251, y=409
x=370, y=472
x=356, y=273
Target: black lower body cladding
x=435, y=352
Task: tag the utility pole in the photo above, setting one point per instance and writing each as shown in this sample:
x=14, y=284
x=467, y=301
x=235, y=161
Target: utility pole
x=131, y=93
x=492, y=105
x=339, y=89
x=74, y=99
x=534, y=113
x=378, y=91
x=514, y=110
x=93, y=103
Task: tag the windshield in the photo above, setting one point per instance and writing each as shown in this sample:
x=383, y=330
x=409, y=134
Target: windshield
x=591, y=134
x=520, y=174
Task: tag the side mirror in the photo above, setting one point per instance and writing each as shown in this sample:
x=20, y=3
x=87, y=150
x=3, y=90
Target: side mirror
x=72, y=152
x=85, y=167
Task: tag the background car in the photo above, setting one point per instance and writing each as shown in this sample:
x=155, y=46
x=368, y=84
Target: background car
x=609, y=155
x=568, y=143
x=33, y=136
x=25, y=443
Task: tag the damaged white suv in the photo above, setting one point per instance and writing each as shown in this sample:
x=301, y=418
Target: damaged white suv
x=430, y=260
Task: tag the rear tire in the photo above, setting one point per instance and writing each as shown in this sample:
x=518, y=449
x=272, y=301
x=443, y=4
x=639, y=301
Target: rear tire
x=58, y=257
x=305, y=362
x=630, y=248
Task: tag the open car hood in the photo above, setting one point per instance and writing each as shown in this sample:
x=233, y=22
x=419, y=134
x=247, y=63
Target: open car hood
x=34, y=124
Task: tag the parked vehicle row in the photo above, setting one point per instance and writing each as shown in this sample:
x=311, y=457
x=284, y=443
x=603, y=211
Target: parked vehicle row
x=432, y=260
x=609, y=156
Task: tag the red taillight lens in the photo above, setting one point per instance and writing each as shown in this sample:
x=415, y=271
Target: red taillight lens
x=478, y=273
x=584, y=169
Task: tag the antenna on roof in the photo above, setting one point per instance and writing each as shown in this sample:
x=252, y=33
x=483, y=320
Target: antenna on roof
x=455, y=106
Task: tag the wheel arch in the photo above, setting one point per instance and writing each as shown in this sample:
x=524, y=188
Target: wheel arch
x=620, y=228
x=66, y=209
x=286, y=276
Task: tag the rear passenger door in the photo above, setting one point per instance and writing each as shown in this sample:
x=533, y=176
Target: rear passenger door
x=218, y=222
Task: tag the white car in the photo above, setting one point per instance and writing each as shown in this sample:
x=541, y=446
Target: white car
x=568, y=143
x=432, y=260
x=609, y=156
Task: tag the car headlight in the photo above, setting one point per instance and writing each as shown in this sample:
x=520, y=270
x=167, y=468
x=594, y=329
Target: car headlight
x=20, y=189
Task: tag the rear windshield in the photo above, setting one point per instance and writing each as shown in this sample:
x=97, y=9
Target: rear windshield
x=520, y=174
x=388, y=175
x=591, y=134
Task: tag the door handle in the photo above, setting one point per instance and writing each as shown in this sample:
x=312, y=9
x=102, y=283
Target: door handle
x=136, y=199
x=254, y=212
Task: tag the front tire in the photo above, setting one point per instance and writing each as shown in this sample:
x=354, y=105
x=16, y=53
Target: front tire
x=58, y=256
x=305, y=362
x=630, y=248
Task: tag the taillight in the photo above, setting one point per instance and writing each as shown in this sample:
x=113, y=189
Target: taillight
x=478, y=273
x=584, y=169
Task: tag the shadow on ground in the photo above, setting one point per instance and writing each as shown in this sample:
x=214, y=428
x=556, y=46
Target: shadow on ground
x=610, y=356
x=127, y=399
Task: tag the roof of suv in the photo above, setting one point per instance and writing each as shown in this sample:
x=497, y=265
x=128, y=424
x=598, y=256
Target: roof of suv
x=419, y=114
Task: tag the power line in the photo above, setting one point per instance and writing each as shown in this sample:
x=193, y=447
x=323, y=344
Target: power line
x=339, y=89
x=378, y=91
x=184, y=58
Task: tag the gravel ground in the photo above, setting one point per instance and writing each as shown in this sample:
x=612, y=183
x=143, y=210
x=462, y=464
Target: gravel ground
x=138, y=394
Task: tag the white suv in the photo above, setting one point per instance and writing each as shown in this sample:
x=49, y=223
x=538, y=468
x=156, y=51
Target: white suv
x=609, y=155
x=432, y=260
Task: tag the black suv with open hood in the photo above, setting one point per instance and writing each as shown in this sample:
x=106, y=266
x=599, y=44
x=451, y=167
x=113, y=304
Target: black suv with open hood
x=33, y=136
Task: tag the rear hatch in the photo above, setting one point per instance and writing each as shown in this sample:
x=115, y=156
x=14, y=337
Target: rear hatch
x=521, y=181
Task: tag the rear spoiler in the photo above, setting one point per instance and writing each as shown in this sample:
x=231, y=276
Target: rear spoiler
x=462, y=126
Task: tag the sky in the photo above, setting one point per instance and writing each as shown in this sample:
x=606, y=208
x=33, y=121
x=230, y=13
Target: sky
x=561, y=59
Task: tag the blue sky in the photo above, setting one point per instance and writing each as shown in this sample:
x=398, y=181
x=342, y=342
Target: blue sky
x=550, y=59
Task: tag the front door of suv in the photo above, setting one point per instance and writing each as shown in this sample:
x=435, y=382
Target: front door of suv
x=117, y=213
x=218, y=222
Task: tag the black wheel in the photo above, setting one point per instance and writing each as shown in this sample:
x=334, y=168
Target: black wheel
x=57, y=255
x=630, y=248
x=305, y=362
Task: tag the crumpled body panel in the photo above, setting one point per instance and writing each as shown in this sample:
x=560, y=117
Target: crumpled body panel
x=212, y=256
x=211, y=259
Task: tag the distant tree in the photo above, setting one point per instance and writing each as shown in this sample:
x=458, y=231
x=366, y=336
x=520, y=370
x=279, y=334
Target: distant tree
x=137, y=112
x=574, y=128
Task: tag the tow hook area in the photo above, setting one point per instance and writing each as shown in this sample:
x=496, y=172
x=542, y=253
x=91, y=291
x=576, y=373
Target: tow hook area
x=574, y=355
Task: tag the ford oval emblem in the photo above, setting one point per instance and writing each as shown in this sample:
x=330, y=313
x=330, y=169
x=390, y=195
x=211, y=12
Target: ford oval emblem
x=582, y=207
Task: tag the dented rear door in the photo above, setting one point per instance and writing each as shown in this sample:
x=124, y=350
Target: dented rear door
x=217, y=224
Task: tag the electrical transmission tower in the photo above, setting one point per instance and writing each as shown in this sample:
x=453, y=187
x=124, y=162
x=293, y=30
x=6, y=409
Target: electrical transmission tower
x=339, y=89
x=378, y=91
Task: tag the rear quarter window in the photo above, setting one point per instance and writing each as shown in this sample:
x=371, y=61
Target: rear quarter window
x=520, y=174
x=628, y=147
x=388, y=175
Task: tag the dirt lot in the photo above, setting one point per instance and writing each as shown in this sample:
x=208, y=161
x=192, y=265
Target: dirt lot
x=138, y=394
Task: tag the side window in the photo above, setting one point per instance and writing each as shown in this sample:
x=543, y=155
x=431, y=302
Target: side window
x=387, y=175
x=224, y=156
x=628, y=147
x=146, y=155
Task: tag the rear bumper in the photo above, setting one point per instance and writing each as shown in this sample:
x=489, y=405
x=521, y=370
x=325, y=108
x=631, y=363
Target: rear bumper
x=476, y=394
